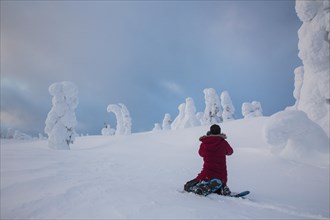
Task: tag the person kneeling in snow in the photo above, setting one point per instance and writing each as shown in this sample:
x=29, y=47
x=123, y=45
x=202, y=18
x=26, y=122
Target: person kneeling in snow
x=214, y=149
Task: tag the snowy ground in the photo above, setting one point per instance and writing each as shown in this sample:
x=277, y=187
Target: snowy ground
x=141, y=176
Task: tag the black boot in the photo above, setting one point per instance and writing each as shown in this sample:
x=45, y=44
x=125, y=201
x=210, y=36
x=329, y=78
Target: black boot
x=190, y=184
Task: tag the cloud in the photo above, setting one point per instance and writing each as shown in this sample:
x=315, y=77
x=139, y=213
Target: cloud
x=173, y=88
x=21, y=107
x=10, y=119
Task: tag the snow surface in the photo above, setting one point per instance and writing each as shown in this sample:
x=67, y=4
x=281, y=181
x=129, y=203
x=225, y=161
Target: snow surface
x=141, y=176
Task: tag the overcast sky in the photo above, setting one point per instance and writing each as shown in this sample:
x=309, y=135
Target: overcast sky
x=148, y=55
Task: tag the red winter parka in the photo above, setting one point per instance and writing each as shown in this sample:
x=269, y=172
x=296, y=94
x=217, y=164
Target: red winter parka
x=214, y=149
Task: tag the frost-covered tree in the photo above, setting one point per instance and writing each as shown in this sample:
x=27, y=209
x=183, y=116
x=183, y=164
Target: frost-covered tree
x=157, y=127
x=252, y=109
x=61, y=120
x=126, y=119
x=10, y=133
x=298, y=81
x=212, y=112
x=18, y=135
x=190, y=118
x=114, y=108
x=167, y=122
x=124, y=122
x=187, y=115
x=227, y=106
x=41, y=136
x=200, y=117
x=175, y=124
x=313, y=93
x=107, y=130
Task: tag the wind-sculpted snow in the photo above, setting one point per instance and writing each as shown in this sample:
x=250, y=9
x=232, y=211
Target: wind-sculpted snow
x=293, y=135
x=141, y=176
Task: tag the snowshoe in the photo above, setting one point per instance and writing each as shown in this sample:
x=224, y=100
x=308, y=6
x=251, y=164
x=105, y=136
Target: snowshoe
x=205, y=188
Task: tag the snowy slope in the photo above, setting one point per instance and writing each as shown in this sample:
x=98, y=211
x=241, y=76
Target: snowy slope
x=141, y=176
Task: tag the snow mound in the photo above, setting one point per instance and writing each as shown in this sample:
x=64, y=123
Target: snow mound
x=293, y=135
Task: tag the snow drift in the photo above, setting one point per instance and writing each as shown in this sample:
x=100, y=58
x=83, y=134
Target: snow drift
x=293, y=135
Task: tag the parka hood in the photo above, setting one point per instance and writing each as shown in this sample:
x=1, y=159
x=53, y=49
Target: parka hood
x=213, y=142
x=212, y=138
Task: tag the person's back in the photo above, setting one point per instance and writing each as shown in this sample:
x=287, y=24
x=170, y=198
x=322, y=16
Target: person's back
x=214, y=149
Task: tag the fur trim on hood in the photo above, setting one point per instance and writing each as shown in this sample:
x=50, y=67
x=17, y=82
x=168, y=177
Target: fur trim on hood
x=223, y=135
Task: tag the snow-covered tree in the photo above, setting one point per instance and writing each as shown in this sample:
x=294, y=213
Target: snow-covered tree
x=298, y=81
x=15, y=134
x=200, y=117
x=41, y=136
x=187, y=115
x=18, y=135
x=61, y=120
x=312, y=91
x=190, y=118
x=252, y=109
x=175, y=124
x=10, y=133
x=157, y=127
x=227, y=106
x=107, y=130
x=167, y=122
x=126, y=119
x=123, y=118
x=212, y=112
x=114, y=108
